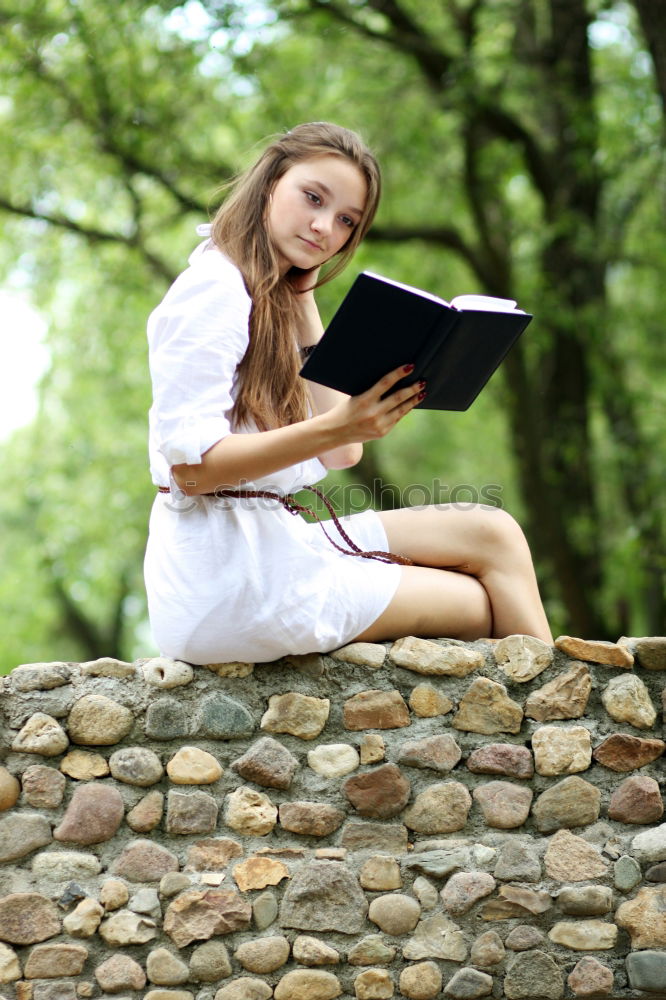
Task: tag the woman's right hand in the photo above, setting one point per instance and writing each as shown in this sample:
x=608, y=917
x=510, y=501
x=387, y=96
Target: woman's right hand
x=369, y=416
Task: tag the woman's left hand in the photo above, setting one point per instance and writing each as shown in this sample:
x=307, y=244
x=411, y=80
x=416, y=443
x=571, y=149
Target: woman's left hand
x=303, y=281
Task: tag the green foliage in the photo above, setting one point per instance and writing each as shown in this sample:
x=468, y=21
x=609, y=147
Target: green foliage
x=125, y=118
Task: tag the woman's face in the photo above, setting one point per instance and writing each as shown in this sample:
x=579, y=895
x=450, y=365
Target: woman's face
x=314, y=209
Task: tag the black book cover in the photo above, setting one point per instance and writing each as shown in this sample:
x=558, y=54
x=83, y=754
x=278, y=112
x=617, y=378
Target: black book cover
x=381, y=325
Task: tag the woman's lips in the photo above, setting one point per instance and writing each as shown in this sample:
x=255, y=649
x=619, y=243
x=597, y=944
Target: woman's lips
x=313, y=246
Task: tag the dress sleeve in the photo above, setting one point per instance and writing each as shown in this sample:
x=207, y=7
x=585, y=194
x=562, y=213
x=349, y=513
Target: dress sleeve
x=197, y=337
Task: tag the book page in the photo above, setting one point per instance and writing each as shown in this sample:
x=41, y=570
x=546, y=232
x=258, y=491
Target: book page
x=485, y=303
x=408, y=288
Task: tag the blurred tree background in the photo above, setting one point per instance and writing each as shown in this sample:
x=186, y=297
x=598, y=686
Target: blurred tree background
x=523, y=150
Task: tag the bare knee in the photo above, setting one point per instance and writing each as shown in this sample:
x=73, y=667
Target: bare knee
x=500, y=541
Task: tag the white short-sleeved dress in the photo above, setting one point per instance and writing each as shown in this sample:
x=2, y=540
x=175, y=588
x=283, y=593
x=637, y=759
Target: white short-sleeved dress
x=233, y=579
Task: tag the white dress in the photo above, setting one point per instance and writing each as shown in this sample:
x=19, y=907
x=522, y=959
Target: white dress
x=233, y=579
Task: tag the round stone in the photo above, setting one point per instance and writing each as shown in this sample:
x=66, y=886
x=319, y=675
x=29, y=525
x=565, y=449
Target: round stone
x=422, y=981
x=43, y=735
x=250, y=812
x=166, y=969
x=333, y=760
x=533, y=974
x=48, y=961
x=380, y=873
x=523, y=937
x=10, y=970
x=82, y=765
x=27, y=918
x=373, y=984
x=311, y=951
x=468, y=984
x=96, y=720
x=308, y=984
x=136, y=766
x=263, y=955
x=627, y=873
x=441, y=808
x=209, y=962
x=20, y=834
x=10, y=789
x=636, y=800
x=147, y=813
x=626, y=699
x=371, y=950
x=162, y=672
x=590, y=978
x=113, y=894
x=120, y=972
x=264, y=910
x=487, y=950
x=395, y=913
x=144, y=861
x=93, y=815
x=464, y=889
x=245, y=988
x=192, y=766
x=503, y=804
x=380, y=793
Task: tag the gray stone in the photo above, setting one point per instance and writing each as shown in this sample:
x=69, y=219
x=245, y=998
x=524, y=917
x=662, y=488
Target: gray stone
x=585, y=900
x=22, y=834
x=435, y=937
x=468, y=984
x=647, y=970
x=43, y=787
x=223, y=718
x=209, y=962
x=523, y=937
x=96, y=720
x=264, y=910
x=533, y=975
x=651, y=844
x=324, y=896
x=627, y=873
x=144, y=861
x=438, y=753
x=267, y=763
x=167, y=719
x=439, y=864
x=651, y=652
x=54, y=991
x=61, y=866
x=518, y=861
x=191, y=812
x=371, y=950
x=136, y=766
x=569, y=803
x=655, y=873
x=40, y=676
x=383, y=836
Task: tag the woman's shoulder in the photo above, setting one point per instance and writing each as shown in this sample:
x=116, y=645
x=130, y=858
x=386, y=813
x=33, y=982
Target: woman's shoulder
x=209, y=267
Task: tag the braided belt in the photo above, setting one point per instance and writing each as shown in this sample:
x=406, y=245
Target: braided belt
x=291, y=505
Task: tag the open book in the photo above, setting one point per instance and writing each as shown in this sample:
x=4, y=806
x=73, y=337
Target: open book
x=382, y=324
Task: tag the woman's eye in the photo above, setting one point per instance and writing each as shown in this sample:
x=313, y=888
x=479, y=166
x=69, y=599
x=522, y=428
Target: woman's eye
x=346, y=221
x=314, y=198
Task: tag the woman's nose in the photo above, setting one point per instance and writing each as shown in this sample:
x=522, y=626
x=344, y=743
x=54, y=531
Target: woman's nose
x=321, y=223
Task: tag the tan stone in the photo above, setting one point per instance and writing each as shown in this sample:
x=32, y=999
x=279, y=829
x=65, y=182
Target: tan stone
x=120, y=972
x=503, y=804
x=644, y=917
x=424, y=656
x=198, y=915
x=257, y=873
x=43, y=787
x=311, y=951
x=125, y=927
x=233, y=669
x=96, y=720
x=160, y=994
x=371, y=950
x=43, y=735
x=571, y=802
x=193, y=766
x=561, y=751
x=626, y=699
x=163, y=672
x=364, y=654
x=311, y=819
x=263, y=955
x=83, y=765
x=113, y=894
x=565, y=697
x=522, y=657
x=486, y=708
x=623, y=752
x=144, y=861
x=584, y=935
x=333, y=760
x=440, y=808
x=464, y=889
x=166, y=969
x=49, y=961
x=27, y=918
x=297, y=714
x=107, y=666
x=422, y=981
x=380, y=873
x=571, y=859
x=308, y=984
x=245, y=988
x=84, y=919
x=372, y=748
x=395, y=913
x=375, y=709
x=427, y=702
x=147, y=813
x=532, y=900
x=212, y=854
x=373, y=984
x=487, y=950
x=93, y=815
x=250, y=812
x=10, y=970
x=596, y=651
x=10, y=790
x=436, y=937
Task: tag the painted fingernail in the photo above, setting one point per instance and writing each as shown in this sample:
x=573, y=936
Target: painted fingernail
x=422, y=395
x=408, y=368
x=422, y=384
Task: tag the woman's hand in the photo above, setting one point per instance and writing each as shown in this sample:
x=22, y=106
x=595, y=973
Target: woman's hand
x=368, y=416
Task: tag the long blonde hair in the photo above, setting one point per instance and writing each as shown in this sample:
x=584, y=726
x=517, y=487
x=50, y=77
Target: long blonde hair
x=270, y=392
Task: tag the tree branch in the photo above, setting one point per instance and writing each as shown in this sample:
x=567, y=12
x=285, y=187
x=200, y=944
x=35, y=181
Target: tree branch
x=443, y=236
x=91, y=234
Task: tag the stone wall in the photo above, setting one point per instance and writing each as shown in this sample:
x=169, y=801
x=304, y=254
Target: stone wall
x=421, y=820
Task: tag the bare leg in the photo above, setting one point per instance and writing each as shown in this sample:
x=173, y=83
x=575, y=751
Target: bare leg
x=474, y=552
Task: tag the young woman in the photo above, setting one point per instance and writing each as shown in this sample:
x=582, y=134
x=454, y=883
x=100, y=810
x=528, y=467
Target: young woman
x=232, y=575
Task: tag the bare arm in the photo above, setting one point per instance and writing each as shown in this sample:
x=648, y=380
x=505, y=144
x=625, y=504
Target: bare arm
x=239, y=458
x=309, y=331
